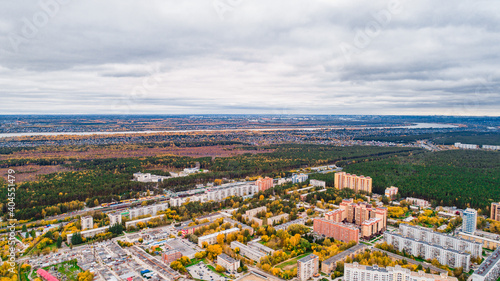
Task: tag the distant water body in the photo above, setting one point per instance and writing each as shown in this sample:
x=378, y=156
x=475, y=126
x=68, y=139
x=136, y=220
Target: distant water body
x=414, y=126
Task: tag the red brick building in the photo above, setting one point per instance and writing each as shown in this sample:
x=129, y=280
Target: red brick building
x=335, y=230
x=171, y=255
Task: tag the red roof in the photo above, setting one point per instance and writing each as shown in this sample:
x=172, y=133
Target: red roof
x=45, y=275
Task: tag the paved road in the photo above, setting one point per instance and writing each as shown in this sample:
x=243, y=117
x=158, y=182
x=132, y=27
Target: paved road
x=424, y=265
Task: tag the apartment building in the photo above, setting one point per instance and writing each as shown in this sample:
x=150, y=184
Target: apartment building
x=264, y=183
x=87, y=222
x=337, y=231
x=314, y=182
x=115, y=218
x=446, y=256
x=330, y=264
x=469, y=221
x=371, y=227
x=441, y=239
x=391, y=192
x=489, y=270
x=212, y=238
x=357, y=272
x=147, y=210
x=228, y=263
x=495, y=211
x=418, y=202
x=226, y=190
x=296, y=178
x=354, y=182
x=253, y=212
x=178, y=201
x=307, y=267
x=466, y=145
x=357, y=213
x=335, y=215
x=491, y=147
x=489, y=242
x=248, y=251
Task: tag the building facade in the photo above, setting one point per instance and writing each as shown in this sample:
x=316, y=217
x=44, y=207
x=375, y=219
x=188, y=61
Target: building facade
x=314, y=182
x=337, y=231
x=228, y=263
x=87, y=222
x=441, y=239
x=147, y=210
x=226, y=190
x=212, y=238
x=171, y=255
x=418, y=248
x=391, y=192
x=495, y=211
x=418, y=202
x=296, y=178
x=264, y=183
x=115, y=218
x=469, y=221
x=354, y=182
x=248, y=251
x=357, y=272
x=307, y=267
x=371, y=227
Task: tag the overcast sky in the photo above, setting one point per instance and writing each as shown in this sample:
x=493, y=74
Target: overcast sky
x=250, y=56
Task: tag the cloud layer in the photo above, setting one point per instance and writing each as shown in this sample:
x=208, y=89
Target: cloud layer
x=241, y=56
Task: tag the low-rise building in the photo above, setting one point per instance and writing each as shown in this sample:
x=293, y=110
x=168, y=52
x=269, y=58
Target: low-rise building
x=228, y=263
x=171, y=255
x=307, y=267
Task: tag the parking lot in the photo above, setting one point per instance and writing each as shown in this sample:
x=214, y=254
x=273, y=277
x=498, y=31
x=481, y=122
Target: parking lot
x=201, y=271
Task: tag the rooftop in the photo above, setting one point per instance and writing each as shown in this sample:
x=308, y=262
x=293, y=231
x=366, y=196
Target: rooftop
x=227, y=258
x=308, y=258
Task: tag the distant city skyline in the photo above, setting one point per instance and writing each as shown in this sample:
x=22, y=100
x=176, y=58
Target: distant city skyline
x=392, y=57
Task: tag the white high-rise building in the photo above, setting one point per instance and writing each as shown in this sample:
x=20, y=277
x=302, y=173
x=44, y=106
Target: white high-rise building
x=469, y=221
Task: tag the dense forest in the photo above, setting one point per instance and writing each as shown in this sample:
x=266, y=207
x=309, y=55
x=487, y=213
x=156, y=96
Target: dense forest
x=449, y=138
x=454, y=178
x=458, y=178
x=104, y=180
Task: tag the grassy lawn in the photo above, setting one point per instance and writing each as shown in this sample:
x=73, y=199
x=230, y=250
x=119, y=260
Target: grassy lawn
x=67, y=268
x=194, y=261
x=292, y=261
x=213, y=269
